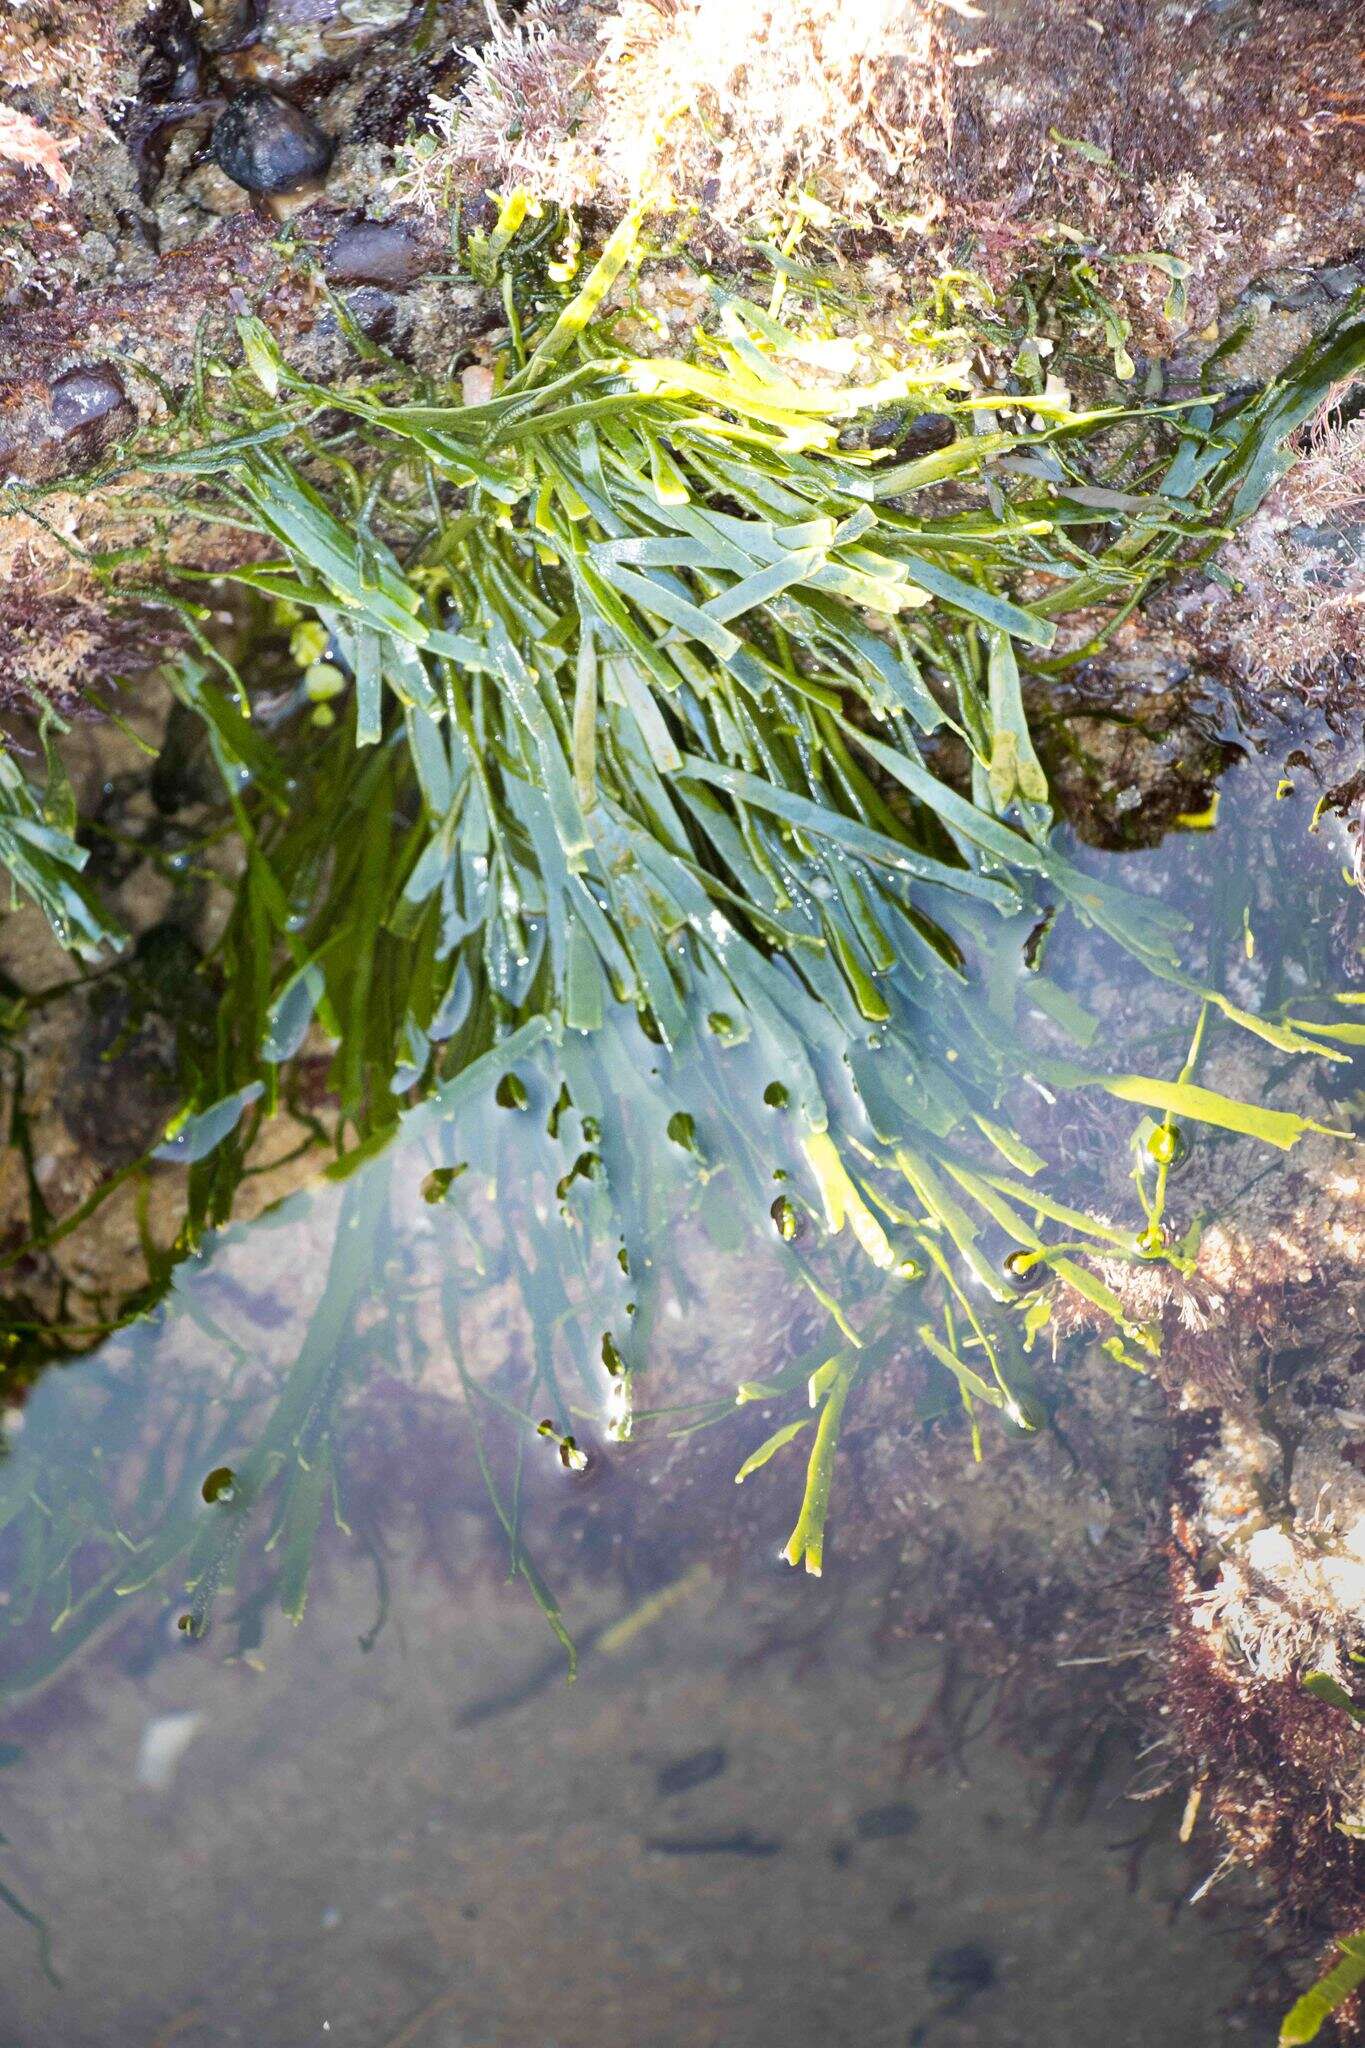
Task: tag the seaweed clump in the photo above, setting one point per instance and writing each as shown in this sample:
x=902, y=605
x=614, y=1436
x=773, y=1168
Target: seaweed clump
x=615, y=686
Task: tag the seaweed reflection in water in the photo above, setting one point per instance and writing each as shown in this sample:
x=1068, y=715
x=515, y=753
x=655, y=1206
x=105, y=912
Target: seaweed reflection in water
x=519, y=1244
x=478, y=1257
x=490, y=1287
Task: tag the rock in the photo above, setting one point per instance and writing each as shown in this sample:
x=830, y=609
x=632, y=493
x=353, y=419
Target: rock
x=264, y=144
x=226, y=25
x=1294, y=292
x=164, y=1742
x=888, y=1823
x=372, y=310
x=924, y=436
x=45, y=428
x=881, y=433
x=81, y=397
x=1339, y=280
x=374, y=253
x=212, y=190
x=98, y=253
x=687, y=1772
x=174, y=68
x=907, y=435
x=962, y=1972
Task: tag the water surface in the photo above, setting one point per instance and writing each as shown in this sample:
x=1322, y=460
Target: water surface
x=293, y=1582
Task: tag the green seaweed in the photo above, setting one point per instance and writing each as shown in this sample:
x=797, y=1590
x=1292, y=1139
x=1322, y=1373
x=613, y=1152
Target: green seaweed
x=1305, y=2019
x=1323, y=1686
x=618, y=700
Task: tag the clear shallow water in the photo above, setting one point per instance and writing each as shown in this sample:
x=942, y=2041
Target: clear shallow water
x=394, y=1822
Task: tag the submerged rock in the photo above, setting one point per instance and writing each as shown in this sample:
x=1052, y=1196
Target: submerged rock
x=962, y=1972
x=687, y=1772
x=886, y=1823
x=264, y=144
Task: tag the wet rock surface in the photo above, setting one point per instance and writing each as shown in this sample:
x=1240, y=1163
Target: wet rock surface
x=264, y=144
x=81, y=398
x=1135, y=742
x=224, y=26
x=389, y=254
x=45, y=429
x=254, y=99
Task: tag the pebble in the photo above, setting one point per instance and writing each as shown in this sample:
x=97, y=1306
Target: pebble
x=372, y=310
x=208, y=187
x=962, y=1971
x=264, y=144
x=374, y=252
x=81, y=397
x=925, y=436
x=687, y=1772
x=164, y=1741
x=98, y=253
x=226, y=25
x=1339, y=280
x=886, y=1823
